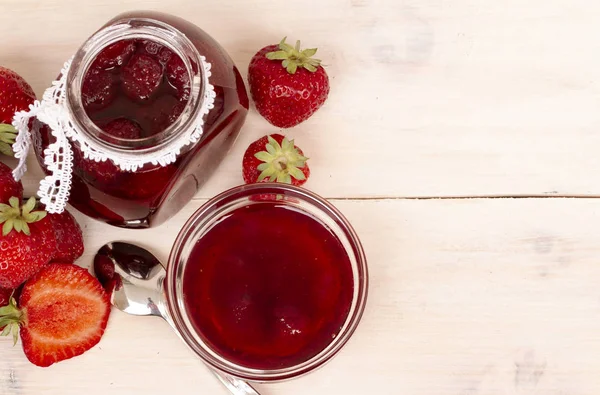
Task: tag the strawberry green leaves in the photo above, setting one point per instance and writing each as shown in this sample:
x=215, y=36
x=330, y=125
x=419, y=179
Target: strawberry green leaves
x=10, y=318
x=15, y=217
x=280, y=162
x=8, y=134
x=293, y=57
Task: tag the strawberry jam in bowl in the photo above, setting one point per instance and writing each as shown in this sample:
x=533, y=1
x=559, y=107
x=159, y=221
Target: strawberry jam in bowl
x=266, y=282
x=134, y=88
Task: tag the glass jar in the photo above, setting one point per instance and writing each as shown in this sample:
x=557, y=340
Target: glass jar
x=147, y=196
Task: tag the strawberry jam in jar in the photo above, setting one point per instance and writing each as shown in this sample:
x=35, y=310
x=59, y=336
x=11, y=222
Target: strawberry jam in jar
x=135, y=87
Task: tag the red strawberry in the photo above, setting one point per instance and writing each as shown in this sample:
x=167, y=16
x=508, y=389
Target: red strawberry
x=122, y=128
x=69, y=237
x=115, y=55
x=177, y=76
x=27, y=242
x=15, y=95
x=98, y=90
x=275, y=158
x=287, y=85
x=141, y=77
x=8, y=186
x=63, y=313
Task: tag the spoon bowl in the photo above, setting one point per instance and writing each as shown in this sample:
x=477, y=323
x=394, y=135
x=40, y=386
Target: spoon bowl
x=134, y=279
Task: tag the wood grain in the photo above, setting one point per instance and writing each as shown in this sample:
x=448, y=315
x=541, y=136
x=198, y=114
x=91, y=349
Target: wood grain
x=429, y=98
x=483, y=296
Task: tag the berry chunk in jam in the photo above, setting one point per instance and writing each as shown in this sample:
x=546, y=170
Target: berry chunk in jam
x=136, y=80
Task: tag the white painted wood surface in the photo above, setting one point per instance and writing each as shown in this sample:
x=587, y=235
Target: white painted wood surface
x=429, y=98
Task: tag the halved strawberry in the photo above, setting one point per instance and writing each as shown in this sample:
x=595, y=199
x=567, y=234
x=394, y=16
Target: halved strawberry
x=63, y=312
x=275, y=158
x=27, y=242
x=8, y=186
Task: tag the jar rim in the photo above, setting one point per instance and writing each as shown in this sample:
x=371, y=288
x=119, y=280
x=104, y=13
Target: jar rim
x=221, y=205
x=136, y=28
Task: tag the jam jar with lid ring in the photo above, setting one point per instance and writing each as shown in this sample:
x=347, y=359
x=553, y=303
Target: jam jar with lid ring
x=134, y=88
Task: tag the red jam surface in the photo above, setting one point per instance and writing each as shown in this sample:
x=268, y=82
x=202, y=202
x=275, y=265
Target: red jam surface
x=135, y=89
x=138, y=83
x=268, y=287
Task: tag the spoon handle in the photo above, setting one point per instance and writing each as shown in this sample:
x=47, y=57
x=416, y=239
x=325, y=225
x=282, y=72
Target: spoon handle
x=236, y=386
x=140, y=292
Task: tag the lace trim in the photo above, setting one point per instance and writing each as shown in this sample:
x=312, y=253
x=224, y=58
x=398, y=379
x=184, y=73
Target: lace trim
x=58, y=157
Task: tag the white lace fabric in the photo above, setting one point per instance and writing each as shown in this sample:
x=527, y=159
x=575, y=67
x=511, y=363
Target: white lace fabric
x=54, y=189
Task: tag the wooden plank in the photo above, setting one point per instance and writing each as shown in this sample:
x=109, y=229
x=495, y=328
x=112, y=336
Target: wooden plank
x=429, y=98
x=491, y=296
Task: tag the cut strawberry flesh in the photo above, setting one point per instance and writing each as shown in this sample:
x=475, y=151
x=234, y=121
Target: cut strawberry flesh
x=66, y=313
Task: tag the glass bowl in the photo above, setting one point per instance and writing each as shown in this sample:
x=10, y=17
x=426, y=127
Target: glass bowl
x=222, y=205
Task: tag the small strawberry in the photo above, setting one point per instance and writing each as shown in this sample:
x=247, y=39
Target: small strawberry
x=287, y=84
x=15, y=95
x=69, y=237
x=63, y=312
x=27, y=242
x=5, y=295
x=141, y=77
x=275, y=158
x=115, y=55
x=99, y=89
x=8, y=186
x=178, y=77
x=122, y=128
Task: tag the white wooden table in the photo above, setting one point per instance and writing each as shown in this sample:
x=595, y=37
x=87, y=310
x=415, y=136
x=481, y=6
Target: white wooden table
x=461, y=138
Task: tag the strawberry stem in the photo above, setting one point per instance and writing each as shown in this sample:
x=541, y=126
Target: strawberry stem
x=281, y=162
x=293, y=57
x=17, y=218
x=11, y=318
x=8, y=135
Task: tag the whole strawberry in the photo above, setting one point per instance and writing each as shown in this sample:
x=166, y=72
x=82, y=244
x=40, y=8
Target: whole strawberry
x=69, y=237
x=287, y=85
x=63, y=312
x=15, y=95
x=8, y=186
x=27, y=242
x=275, y=158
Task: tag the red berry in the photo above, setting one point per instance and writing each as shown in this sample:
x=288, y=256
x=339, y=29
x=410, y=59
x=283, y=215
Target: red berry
x=178, y=77
x=15, y=95
x=69, y=237
x=98, y=90
x=122, y=128
x=141, y=77
x=63, y=313
x=26, y=245
x=115, y=55
x=8, y=186
x=287, y=96
x=275, y=158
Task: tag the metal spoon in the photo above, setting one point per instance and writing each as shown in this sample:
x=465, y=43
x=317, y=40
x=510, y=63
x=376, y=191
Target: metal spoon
x=137, y=289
